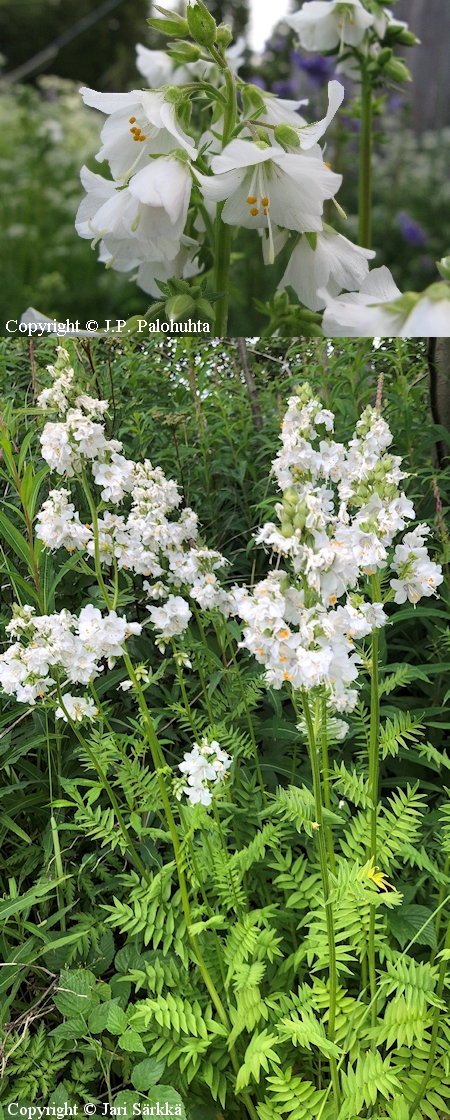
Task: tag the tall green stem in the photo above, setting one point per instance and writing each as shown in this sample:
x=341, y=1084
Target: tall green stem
x=326, y=784
x=434, y=1032
x=321, y=844
x=365, y=166
x=374, y=778
x=223, y=231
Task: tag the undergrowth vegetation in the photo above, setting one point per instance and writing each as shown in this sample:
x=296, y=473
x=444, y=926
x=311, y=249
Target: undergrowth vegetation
x=219, y=898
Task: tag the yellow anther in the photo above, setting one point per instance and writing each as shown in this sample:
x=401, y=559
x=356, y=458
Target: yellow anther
x=141, y=138
x=254, y=211
x=132, y=120
x=327, y=164
x=251, y=199
x=264, y=202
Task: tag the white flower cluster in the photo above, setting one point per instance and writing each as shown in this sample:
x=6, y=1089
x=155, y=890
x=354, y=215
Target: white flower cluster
x=340, y=512
x=60, y=642
x=206, y=764
x=145, y=540
x=274, y=180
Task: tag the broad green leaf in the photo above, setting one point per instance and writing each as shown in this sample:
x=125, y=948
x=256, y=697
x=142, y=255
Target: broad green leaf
x=73, y=994
x=407, y=920
x=132, y=1042
x=16, y=541
x=108, y=1017
x=147, y=1073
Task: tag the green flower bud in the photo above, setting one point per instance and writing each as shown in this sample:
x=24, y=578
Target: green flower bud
x=224, y=35
x=385, y=55
x=202, y=24
x=287, y=529
x=184, y=52
x=173, y=25
x=444, y=268
x=290, y=496
x=173, y=94
x=299, y=521
x=407, y=39
x=204, y=308
x=287, y=136
x=397, y=71
x=263, y=138
x=178, y=307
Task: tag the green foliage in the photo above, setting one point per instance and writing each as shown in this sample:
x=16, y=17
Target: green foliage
x=103, y=989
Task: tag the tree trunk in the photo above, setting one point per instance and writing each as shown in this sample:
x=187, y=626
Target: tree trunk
x=429, y=63
x=250, y=383
x=439, y=367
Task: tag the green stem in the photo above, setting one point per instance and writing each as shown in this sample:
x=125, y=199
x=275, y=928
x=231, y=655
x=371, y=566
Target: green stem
x=223, y=231
x=365, y=165
x=248, y=715
x=434, y=1033
x=313, y=755
x=108, y=789
x=374, y=778
x=98, y=565
x=158, y=762
x=326, y=785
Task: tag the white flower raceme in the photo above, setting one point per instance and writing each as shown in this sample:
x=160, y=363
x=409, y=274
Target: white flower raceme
x=322, y=25
x=204, y=766
x=264, y=186
x=58, y=524
x=172, y=618
x=140, y=124
x=60, y=642
x=380, y=310
x=417, y=574
x=341, y=509
x=77, y=709
x=325, y=260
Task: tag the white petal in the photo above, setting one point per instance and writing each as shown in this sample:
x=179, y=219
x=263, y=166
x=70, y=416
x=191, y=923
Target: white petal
x=240, y=153
x=165, y=182
x=430, y=318
x=279, y=111
x=313, y=132
x=155, y=66
x=381, y=285
x=110, y=102
x=218, y=187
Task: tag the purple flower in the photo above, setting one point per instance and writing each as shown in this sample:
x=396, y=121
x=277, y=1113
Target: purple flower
x=318, y=68
x=257, y=80
x=352, y=123
x=284, y=88
x=412, y=231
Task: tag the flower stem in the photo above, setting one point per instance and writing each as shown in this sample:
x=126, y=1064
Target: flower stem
x=434, y=1032
x=223, y=231
x=365, y=166
x=326, y=785
x=374, y=777
x=313, y=755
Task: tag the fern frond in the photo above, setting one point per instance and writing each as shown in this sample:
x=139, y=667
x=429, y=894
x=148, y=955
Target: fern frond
x=352, y=785
x=401, y=731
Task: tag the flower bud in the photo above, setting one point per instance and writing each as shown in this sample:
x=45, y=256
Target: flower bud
x=444, y=268
x=263, y=137
x=299, y=521
x=287, y=529
x=287, y=136
x=173, y=94
x=291, y=496
x=397, y=71
x=204, y=307
x=173, y=25
x=224, y=35
x=178, y=307
x=385, y=55
x=202, y=24
x=184, y=52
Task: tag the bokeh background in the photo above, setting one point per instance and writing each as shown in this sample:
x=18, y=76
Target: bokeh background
x=47, y=133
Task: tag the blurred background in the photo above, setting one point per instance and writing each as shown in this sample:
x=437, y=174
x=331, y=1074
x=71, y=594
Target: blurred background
x=47, y=133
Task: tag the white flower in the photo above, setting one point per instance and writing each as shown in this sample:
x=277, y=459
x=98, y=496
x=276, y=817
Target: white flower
x=379, y=310
x=116, y=477
x=132, y=231
x=77, y=709
x=325, y=260
x=205, y=764
x=159, y=69
x=172, y=618
x=322, y=25
x=139, y=124
x=58, y=523
x=263, y=185
x=279, y=112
